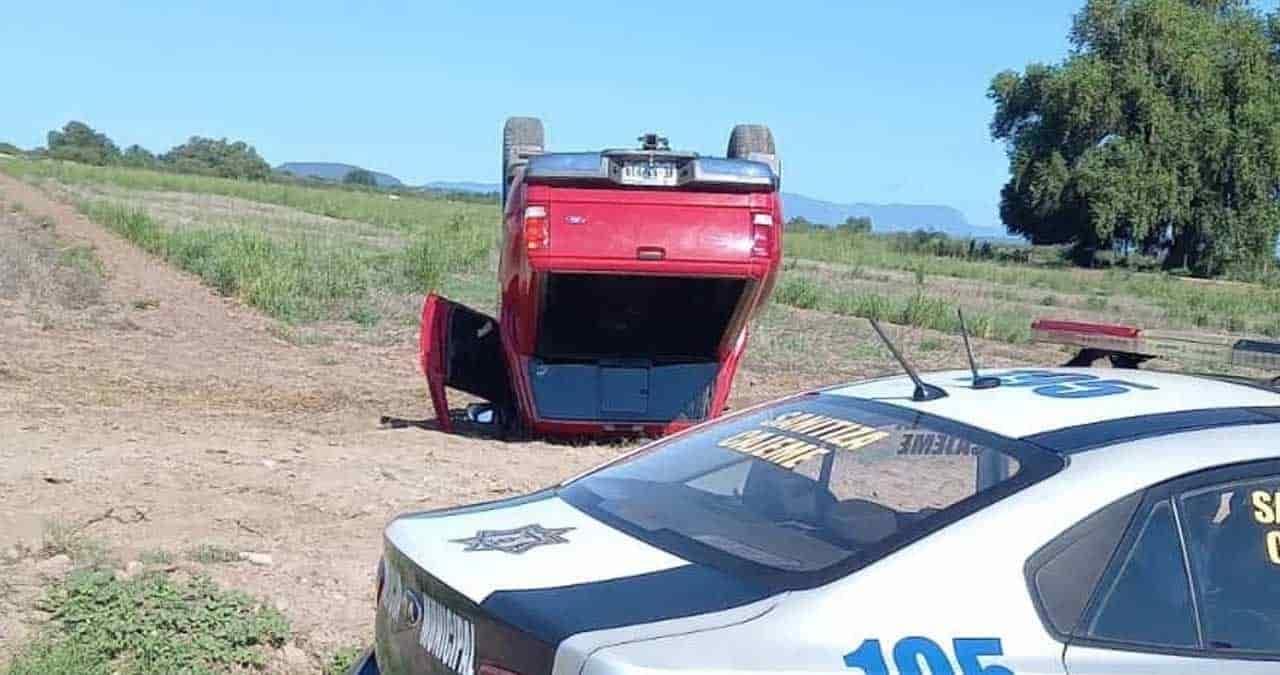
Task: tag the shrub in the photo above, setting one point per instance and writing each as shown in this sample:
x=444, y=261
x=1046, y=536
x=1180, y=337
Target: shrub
x=360, y=177
x=217, y=158
x=799, y=292
x=78, y=142
x=148, y=625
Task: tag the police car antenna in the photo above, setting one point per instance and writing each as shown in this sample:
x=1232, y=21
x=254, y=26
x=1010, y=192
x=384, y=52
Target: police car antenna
x=979, y=382
x=924, y=391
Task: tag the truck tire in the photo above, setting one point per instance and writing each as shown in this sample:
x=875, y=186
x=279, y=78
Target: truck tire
x=748, y=139
x=520, y=136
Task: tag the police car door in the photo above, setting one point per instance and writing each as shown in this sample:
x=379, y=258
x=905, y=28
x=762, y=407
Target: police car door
x=1195, y=584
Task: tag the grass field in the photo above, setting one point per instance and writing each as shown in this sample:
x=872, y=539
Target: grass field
x=367, y=257
x=1171, y=301
x=359, y=255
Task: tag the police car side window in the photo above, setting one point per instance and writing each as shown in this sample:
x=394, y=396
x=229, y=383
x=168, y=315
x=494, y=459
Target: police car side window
x=1146, y=600
x=1232, y=532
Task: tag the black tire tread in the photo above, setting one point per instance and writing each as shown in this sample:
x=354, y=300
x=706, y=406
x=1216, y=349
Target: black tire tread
x=519, y=134
x=750, y=138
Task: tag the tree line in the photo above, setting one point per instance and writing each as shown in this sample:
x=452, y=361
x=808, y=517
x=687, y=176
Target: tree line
x=1159, y=136
x=852, y=224
x=78, y=142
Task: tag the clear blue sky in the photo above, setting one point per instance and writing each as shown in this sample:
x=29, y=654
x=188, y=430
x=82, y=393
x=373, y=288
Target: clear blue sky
x=875, y=101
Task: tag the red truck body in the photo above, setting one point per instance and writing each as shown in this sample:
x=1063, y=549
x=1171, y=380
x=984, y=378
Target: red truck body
x=624, y=309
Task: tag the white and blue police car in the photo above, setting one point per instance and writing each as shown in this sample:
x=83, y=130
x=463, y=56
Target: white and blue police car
x=1055, y=520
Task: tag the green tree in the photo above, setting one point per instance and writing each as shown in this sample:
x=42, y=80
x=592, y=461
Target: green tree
x=1160, y=133
x=217, y=157
x=360, y=177
x=78, y=142
x=798, y=224
x=856, y=225
x=138, y=157
x=10, y=149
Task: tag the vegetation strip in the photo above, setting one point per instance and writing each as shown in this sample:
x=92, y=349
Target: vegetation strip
x=151, y=623
x=1233, y=307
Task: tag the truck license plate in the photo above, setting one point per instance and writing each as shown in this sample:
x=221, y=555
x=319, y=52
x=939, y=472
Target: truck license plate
x=649, y=173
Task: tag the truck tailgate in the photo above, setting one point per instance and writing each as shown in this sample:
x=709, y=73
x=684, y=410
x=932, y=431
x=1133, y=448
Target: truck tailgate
x=590, y=224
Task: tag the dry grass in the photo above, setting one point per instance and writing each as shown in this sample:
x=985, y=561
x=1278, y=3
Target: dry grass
x=43, y=276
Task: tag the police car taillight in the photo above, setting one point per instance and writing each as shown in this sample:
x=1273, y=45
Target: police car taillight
x=762, y=235
x=537, y=234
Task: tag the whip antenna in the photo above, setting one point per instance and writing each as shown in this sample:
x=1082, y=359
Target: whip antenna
x=924, y=391
x=979, y=382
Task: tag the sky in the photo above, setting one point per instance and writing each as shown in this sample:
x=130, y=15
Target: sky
x=873, y=101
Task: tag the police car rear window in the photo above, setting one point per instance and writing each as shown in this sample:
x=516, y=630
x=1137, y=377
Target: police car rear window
x=808, y=487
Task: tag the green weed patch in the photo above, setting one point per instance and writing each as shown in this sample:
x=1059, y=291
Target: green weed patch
x=150, y=624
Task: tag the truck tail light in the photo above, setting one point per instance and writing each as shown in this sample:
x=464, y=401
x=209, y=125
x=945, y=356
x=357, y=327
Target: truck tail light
x=537, y=233
x=762, y=235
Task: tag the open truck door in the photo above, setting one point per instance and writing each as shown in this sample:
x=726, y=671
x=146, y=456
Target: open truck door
x=462, y=349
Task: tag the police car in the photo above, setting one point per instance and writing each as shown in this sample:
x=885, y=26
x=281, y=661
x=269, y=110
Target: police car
x=1038, y=520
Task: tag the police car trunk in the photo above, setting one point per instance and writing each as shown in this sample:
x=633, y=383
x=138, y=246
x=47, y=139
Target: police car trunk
x=710, y=530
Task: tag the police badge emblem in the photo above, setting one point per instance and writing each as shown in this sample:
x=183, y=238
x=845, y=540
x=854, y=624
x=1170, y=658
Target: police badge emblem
x=517, y=540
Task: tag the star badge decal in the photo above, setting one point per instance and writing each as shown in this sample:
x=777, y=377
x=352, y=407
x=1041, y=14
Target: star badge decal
x=517, y=540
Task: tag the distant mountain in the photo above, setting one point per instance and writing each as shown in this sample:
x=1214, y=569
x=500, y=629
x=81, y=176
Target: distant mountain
x=334, y=171
x=886, y=217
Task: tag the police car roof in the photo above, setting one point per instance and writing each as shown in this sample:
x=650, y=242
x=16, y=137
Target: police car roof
x=1034, y=401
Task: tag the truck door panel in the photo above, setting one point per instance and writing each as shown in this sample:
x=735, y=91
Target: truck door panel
x=462, y=349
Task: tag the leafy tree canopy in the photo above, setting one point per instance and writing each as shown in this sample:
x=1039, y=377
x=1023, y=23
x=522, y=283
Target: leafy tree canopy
x=858, y=224
x=78, y=142
x=360, y=177
x=1160, y=132
x=217, y=158
x=137, y=157
x=798, y=224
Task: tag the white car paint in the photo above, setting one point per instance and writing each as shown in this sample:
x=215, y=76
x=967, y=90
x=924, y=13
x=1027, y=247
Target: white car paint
x=1017, y=412
x=598, y=553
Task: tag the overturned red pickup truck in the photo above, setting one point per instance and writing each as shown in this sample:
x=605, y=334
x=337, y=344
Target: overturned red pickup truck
x=627, y=281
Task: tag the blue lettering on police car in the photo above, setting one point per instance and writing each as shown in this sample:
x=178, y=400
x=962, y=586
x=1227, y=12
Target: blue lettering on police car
x=1066, y=385
x=911, y=651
